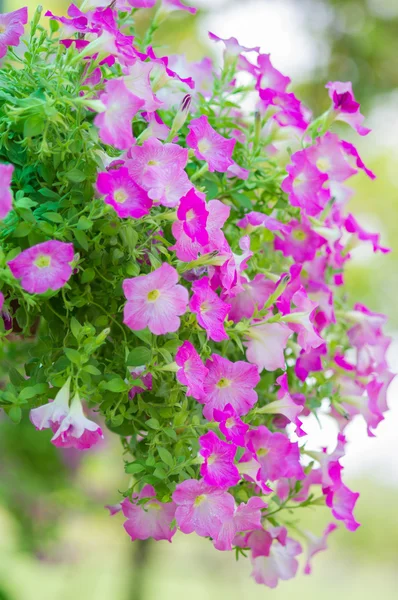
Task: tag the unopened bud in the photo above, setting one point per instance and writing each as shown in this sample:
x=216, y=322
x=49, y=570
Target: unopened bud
x=181, y=116
x=280, y=288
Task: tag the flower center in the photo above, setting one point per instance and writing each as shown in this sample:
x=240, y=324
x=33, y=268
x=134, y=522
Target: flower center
x=204, y=146
x=204, y=307
x=152, y=163
x=43, y=261
x=153, y=295
x=120, y=196
x=323, y=164
x=152, y=506
x=299, y=180
x=3, y=29
x=190, y=215
x=299, y=235
x=199, y=500
x=262, y=452
x=223, y=382
x=229, y=422
x=212, y=459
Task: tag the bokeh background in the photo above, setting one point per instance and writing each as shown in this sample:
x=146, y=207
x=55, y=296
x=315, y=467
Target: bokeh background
x=56, y=539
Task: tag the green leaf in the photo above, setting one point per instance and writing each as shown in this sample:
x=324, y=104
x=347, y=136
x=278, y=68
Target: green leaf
x=87, y=275
x=76, y=176
x=84, y=223
x=159, y=473
x=73, y=355
x=170, y=433
x=81, y=238
x=139, y=356
x=32, y=391
x=33, y=126
x=116, y=385
x=92, y=370
x=49, y=193
x=53, y=217
x=144, y=335
x=153, y=423
x=134, y=467
x=22, y=230
x=15, y=414
x=75, y=327
x=166, y=456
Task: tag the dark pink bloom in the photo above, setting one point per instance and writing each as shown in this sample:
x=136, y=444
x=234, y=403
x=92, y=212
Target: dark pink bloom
x=341, y=499
x=147, y=379
x=219, y=468
x=316, y=544
x=231, y=425
x=115, y=123
x=301, y=321
x=193, y=215
x=247, y=517
x=309, y=362
x=254, y=295
x=210, y=310
x=352, y=226
x=43, y=267
x=11, y=28
x=229, y=275
x=6, y=172
x=276, y=455
x=155, y=301
x=302, y=242
x=151, y=519
x=229, y=383
x=123, y=194
x=285, y=109
x=347, y=109
x=350, y=150
x=202, y=508
x=210, y=145
x=142, y=3
x=192, y=372
x=265, y=344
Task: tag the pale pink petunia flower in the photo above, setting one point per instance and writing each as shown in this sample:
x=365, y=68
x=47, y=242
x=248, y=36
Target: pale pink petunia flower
x=12, y=28
x=210, y=310
x=232, y=46
x=51, y=415
x=122, y=193
x=219, y=468
x=209, y=145
x=202, y=508
x=345, y=106
x=6, y=172
x=254, y=219
x=229, y=383
x=316, y=544
x=137, y=80
x=171, y=5
x=43, y=267
x=150, y=519
x=265, y=345
x=301, y=321
x=75, y=430
x=269, y=76
x=192, y=372
x=278, y=561
x=168, y=185
x=115, y=123
x=155, y=301
x=253, y=297
x=340, y=498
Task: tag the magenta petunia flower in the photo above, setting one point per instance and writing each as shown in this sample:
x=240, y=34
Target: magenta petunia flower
x=247, y=517
x=305, y=184
x=347, y=109
x=193, y=214
x=353, y=227
x=340, y=498
x=118, y=102
x=123, y=194
x=231, y=425
x=155, y=301
x=1, y=300
x=192, y=372
x=265, y=345
x=229, y=383
x=146, y=379
x=283, y=108
x=268, y=76
x=6, y=172
x=151, y=519
x=202, y=508
x=219, y=468
x=209, y=145
x=301, y=321
x=302, y=242
x=210, y=310
x=329, y=156
x=254, y=219
x=43, y=267
x=276, y=455
x=11, y=28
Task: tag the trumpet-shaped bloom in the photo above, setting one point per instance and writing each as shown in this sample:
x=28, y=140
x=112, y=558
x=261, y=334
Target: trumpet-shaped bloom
x=254, y=295
x=123, y=194
x=279, y=562
x=276, y=454
x=302, y=242
x=305, y=184
x=347, y=109
x=151, y=519
x=209, y=145
x=6, y=172
x=247, y=517
x=193, y=215
x=117, y=100
x=268, y=76
x=210, y=310
x=229, y=383
x=43, y=267
x=202, y=508
x=265, y=345
x=316, y=544
x=218, y=469
x=155, y=301
x=192, y=372
x=231, y=425
x=12, y=28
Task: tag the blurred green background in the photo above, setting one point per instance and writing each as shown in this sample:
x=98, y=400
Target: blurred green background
x=56, y=539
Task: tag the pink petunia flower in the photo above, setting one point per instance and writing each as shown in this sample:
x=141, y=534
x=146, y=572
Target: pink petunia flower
x=202, y=508
x=75, y=430
x=284, y=109
x=353, y=227
x=231, y=425
x=193, y=215
x=346, y=108
x=265, y=345
x=268, y=76
x=340, y=498
x=118, y=101
x=147, y=379
x=247, y=517
x=151, y=519
x=301, y=321
x=316, y=544
x=302, y=242
x=218, y=469
x=171, y=5
x=209, y=145
x=192, y=372
x=229, y=383
x=254, y=219
x=277, y=560
x=210, y=310
x=155, y=301
x=254, y=295
x=43, y=267
x=6, y=172
x=232, y=46
x=122, y=193
x=138, y=82
x=51, y=415
x=11, y=28
x=276, y=454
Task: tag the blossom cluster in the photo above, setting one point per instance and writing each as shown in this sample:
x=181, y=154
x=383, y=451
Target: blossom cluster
x=183, y=260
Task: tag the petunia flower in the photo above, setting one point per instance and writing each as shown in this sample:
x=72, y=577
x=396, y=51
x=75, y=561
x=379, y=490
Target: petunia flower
x=316, y=544
x=155, y=301
x=247, y=517
x=229, y=383
x=192, y=372
x=122, y=193
x=268, y=76
x=254, y=295
x=51, y=415
x=344, y=105
x=193, y=215
x=147, y=380
x=117, y=100
x=209, y=145
x=254, y=219
x=75, y=430
x=154, y=154
x=12, y=28
x=202, y=508
x=43, y=267
x=6, y=172
x=231, y=425
x=278, y=561
x=171, y=5
x=265, y=344
x=218, y=469
x=301, y=243
x=210, y=310
x=150, y=519
x=341, y=499
x=137, y=80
